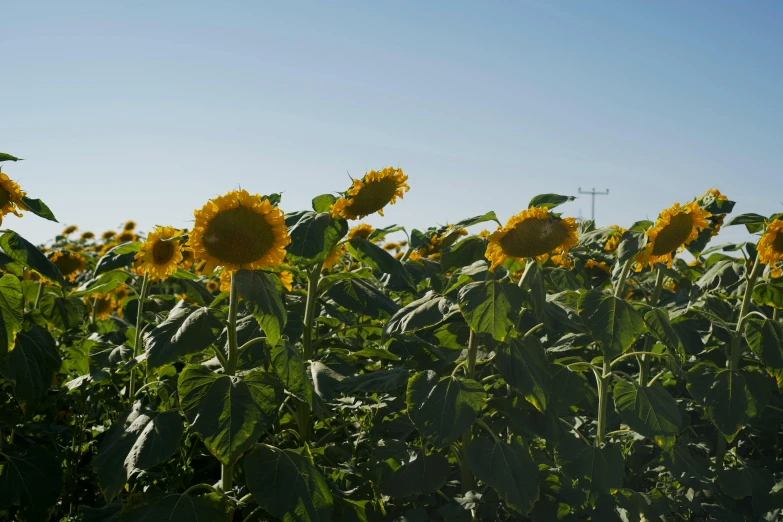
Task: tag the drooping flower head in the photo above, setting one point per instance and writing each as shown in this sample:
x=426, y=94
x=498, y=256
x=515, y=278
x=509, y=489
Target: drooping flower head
x=362, y=230
x=613, y=238
x=239, y=230
x=109, y=234
x=675, y=227
x=371, y=193
x=67, y=231
x=770, y=246
x=160, y=254
x=69, y=263
x=187, y=259
x=597, y=267
x=129, y=226
x=533, y=233
x=124, y=237
x=10, y=197
x=715, y=220
x=86, y=236
x=102, y=306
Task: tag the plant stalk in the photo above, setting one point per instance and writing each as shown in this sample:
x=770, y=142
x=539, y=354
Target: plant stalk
x=145, y=288
x=618, y=290
x=227, y=471
x=644, y=362
x=603, y=399
x=470, y=371
x=303, y=409
x=38, y=295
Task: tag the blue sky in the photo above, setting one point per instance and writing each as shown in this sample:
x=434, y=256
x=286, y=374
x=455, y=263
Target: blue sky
x=143, y=110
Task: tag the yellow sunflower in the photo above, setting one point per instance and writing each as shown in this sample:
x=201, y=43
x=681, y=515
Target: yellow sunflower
x=69, y=263
x=334, y=257
x=102, y=306
x=533, y=233
x=129, y=226
x=10, y=197
x=613, y=239
x=213, y=286
x=159, y=255
x=597, y=266
x=119, y=294
x=371, y=193
x=675, y=227
x=770, y=247
x=287, y=278
x=108, y=235
x=225, y=281
x=86, y=236
x=187, y=259
x=391, y=246
x=447, y=238
x=562, y=260
x=127, y=236
x=69, y=230
x=362, y=230
x=239, y=230
x=716, y=220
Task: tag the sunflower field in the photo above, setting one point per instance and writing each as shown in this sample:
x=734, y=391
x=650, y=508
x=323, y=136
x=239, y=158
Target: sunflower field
x=300, y=365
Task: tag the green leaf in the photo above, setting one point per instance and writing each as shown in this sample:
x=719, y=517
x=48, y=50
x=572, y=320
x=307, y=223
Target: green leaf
x=375, y=257
x=8, y=157
x=489, y=216
x=464, y=253
x=229, y=413
x=768, y=294
x=419, y=474
x=753, y=222
x=32, y=365
x=175, y=507
x=25, y=253
x=766, y=340
x=686, y=468
x=631, y=243
x=358, y=295
x=103, y=284
x=491, y=307
x=323, y=203
x=649, y=411
x=602, y=467
x=314, y=235
x=139, y=440
x=184, y=331
x=748, y=481
x=508, y=468
x=657, y=321
x=120, y=256
x=422, y=313
x=39, y=208
x=11, y=312
x=287, y=485
x=442, y=409
x=32, y=479
x=549, y=201
x=262, y=299
x=291, y=370
x=524, y=367
x=612, y=322
x=63, y=313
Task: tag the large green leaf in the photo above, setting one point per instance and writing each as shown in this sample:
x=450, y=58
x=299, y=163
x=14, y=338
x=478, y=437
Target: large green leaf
x=138, y=441
x=32, y=479
x=63, y=313
x=120, y=256
x=549, y=201
x=291, y=370
x=766, y=340
x=262, y=299
x=419, y=474
x=464, y=253
x=768, y=294
x=229, y=413
x=508, y=468
x=103, y=284
x=287, y=485
x=7, y=157
x=184, y=331
x=491, y=307
x=524, y=367
x=375, y=257
x=360, y=296
x=442, y=409
x=31, y=366
x=601, y=467
x=11, y=310
x=314, y=235
x=614, y=323
x=753, y=222
x=428, y=311
x=175, y=507
x=657, y=321
x=649, y=411
x=39, y=208
x=25, y=253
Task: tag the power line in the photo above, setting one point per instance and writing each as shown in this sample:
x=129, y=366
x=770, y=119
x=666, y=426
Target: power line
x=593, y=193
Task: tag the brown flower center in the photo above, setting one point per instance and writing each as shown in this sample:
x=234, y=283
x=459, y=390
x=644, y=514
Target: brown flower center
x=68, y=264
x=672, y=236
x=372, y=197
x=777, y=244
x=238, y=236
x=163, y=251
x=533, y=237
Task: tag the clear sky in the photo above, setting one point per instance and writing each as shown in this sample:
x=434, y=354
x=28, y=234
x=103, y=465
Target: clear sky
x=147, y=109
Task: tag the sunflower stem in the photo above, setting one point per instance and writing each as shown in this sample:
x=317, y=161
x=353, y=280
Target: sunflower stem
x=467, y=476
x=303, y=410
x=776, y=314
x=227, y=470
x=644, y=362
x=620, y=287
x=38, y=295
x=145, y=288
x=603, y=399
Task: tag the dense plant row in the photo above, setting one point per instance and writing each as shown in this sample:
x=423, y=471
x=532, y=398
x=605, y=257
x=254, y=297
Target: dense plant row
x=305, y=367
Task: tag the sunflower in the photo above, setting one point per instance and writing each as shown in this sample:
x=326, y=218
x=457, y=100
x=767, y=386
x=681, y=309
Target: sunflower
x=371, y=193
x=597, y=267
x=129, y=226
x=613, y=239
x=69, y=230
x=187, y=259
x=239, y=230
x=86, y=236
x=415, y=256
x=362, y=230
x=670, y=284
x=213, y=286
x=108, y=235
x=716, y=220
x=10, y=197
x=287, y=279
x=533, y=233
x=675, y=227
x=127, y=236
x=391, y=246
x=447, y=238
x=159, y=255
x=770, y=247
x=562, y=260
x=119, y=295
x=334, y=257
x=69, y=263
x=102, y=306
x=225, y=281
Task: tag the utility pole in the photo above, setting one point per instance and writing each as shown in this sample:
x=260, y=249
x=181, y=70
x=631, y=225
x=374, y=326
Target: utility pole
x=593, y=193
